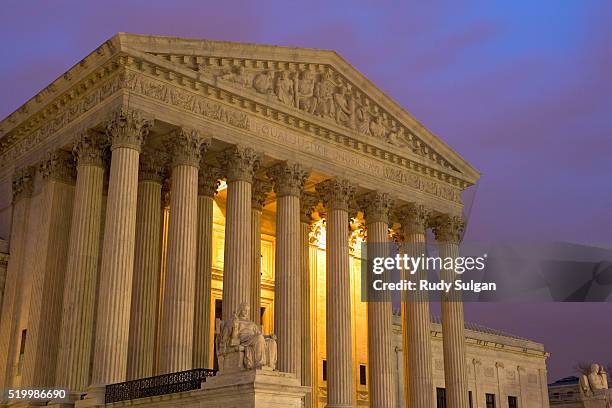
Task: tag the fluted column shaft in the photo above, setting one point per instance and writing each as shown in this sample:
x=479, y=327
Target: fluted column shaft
x=240, y=163
x=179, y=293
x=376, y=208
x=126, y=130
x=307, y=203
x=208, y=182
x=448, y=230
x=77, y=329
x=416, y=323
x=336, y=195
x=145, y=288
x=45, y=313
x=260, y=190
x=289, y=181
x=23, y=181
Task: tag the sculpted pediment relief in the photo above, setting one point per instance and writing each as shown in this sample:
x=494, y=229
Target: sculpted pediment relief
x=315, y=89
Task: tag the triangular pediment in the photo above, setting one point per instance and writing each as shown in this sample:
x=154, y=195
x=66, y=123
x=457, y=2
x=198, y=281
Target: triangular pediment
x=317, y=83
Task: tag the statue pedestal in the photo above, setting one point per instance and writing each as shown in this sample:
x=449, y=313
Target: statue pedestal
x=253, y=389
x=601, y=399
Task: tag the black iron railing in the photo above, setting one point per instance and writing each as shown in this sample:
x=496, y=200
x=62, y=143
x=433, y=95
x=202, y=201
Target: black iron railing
x=159, y=385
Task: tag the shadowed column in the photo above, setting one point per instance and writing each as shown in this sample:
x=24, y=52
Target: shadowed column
x=185, y=146
x=307, y=204
x=448, y=232
x=261, y=188
x=145, y=290
x=289, y=181
x=376, y=207
x=416, y=321
x=208, y=182
x=336, y=195
x=76, y=333
x=23, y=185
x=45, y=315
x=126, y=131
x=240, y=164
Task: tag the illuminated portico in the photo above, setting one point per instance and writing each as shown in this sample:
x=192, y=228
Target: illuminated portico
x=304, y=121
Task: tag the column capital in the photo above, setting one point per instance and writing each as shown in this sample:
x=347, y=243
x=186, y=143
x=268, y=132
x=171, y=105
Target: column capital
x=127, y=128
x=289, y=178
x=308, y=202
x=499, y=364
x=240, y=163
x=186, y=146
x=376, y=206
x=259, y=193
x=58, y=165
x=153, y=165
x=23, y=182
x=208, y=180
x=336, y=193
x=447, y=228
x=414, y=218
x=89, y=148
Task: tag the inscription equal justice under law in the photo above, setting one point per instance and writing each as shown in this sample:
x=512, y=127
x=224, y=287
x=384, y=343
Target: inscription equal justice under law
x=350, y=160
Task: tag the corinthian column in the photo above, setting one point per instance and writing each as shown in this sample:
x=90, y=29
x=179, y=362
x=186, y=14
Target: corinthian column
x=45, y=313
x=415, y=313
x=289, y=181
x=261, y=188
x=76, y=333
x=145, y=289
x=240, y=163
x=23, y=185
x=126, y=130
x=448, y=231
x=376, y=207
x=307, y=204
x=179, y=294
x=336, y=195
x=208, y=182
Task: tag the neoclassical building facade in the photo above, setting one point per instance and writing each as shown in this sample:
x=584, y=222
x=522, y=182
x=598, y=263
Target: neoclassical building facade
x=161, y=182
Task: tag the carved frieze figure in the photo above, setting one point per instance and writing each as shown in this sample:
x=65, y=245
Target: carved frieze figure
x=239, y=76
x=377, y=128
x=345, y=102
x=396, y=137
x=264, y=82
x=284, y=88
x=324, y=92
x=240, y=337
x=304, y=92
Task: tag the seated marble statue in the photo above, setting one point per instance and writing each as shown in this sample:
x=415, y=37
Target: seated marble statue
x=594, y=382
x=241, y=338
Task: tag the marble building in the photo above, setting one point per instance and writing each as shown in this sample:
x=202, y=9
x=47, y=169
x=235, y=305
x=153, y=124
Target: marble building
x=161, y=182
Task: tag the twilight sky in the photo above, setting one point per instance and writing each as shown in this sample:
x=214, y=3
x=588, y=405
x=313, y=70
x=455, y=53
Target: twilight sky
x=521, y=89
